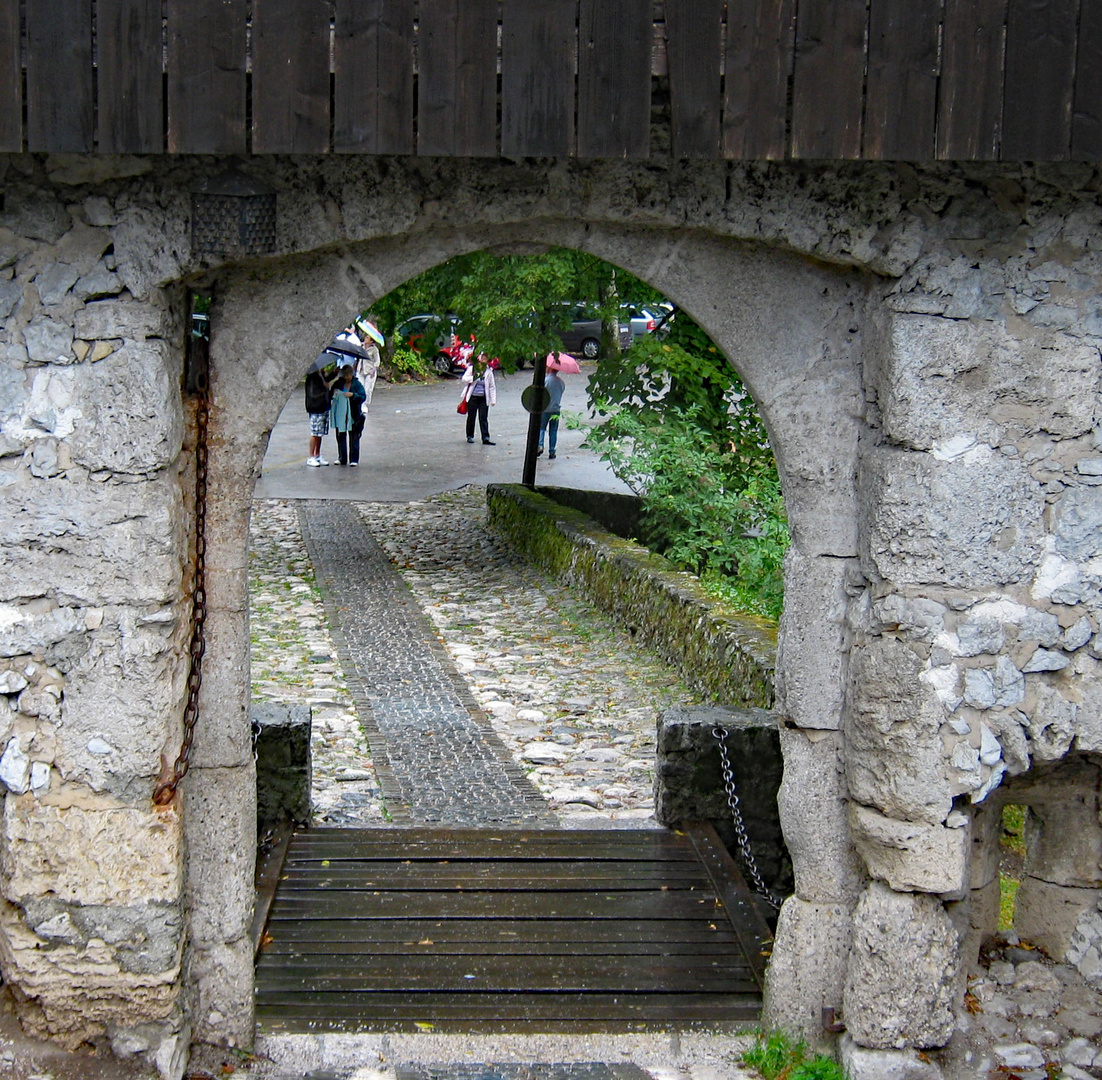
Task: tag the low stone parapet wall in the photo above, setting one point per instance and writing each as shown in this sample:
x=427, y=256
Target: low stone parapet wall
x=689, y=784
x=722, y=653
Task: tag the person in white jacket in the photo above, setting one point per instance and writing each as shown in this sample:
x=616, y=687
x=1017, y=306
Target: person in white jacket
x=479, y=392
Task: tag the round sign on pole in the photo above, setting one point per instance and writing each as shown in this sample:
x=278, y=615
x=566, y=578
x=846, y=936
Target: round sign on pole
x=535, y=398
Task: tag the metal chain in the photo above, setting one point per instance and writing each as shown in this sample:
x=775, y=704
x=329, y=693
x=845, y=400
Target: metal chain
x=740, y=828
x=166, y=788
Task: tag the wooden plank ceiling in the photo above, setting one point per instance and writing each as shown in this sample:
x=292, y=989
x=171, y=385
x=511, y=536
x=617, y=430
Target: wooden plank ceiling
x=509, y=931
x=1014, y=80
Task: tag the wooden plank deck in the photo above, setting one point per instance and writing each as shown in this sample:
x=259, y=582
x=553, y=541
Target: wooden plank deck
x=512, y=930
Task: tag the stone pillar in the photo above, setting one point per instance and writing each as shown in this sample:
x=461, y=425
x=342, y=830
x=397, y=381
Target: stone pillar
x=92, y=627
x=807, y=971
x=220, y=790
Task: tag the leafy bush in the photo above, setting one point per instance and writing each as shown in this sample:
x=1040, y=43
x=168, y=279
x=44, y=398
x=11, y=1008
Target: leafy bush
x=409, y=363
x=776, y=1056
x=702, y=508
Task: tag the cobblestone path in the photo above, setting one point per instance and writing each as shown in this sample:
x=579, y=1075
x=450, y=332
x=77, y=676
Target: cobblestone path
x=436, y=762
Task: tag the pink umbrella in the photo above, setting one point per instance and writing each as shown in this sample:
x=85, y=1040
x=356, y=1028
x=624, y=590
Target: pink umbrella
x=561, y=362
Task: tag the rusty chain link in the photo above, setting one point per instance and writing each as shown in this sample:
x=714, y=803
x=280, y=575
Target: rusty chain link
x=169, y=781
x=743, y=840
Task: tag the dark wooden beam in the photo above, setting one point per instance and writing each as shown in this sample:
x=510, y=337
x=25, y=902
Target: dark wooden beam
x=693, y=37
x=538, y=55
x=130, y=91
x=59, y=76
x=290, y=76
x=614, y=44
x=206, y=78
x=828, y=79
x=901, y=91
x=373, y=77
x=760, y=43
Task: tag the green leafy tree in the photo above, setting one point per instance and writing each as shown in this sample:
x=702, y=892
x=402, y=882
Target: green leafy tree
x=681, y=431
x=516, y=305
x=676, y=425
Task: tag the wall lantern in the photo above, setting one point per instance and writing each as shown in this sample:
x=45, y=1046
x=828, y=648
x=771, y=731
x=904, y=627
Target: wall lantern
x=233, y=215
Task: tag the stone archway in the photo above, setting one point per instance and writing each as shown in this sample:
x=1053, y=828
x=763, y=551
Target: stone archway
x=924, y=343
x=793, y=329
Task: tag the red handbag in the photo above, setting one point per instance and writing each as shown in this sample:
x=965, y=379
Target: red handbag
x=461, y=408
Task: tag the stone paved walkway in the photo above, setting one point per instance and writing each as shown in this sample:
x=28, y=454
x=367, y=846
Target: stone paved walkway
x=523, y=662
x=438, y=763
x=573, y=700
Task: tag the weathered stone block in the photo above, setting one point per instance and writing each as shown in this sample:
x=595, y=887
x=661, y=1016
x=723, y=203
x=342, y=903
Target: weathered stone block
x=896, y=717
x=121, y=708
x=1047, y=914
x=49, y=341
x=810, y=642
x=220, y=977
x=282, y=762
x=983, y=922
x=84, y=849
x=900, y=983
x=986, y=852
x=689, y=783
x=1077, y=523
x=912, y=856
x=970, y=522
x=75, y=994
x=813, y=815
x=808, y=967
x=947, y=378
x=223, y=736
x=220, y=819
x=860, y=1063
x=132, y=418
x=119, y=319
x=1063, y=834
x=94, y=544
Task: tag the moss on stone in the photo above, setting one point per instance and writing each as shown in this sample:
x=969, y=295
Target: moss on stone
x=726, y=654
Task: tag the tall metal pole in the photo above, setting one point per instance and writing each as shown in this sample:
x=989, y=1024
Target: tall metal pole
x=537, y=401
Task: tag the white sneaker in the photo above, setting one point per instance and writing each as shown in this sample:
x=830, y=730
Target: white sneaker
x=353, y=464
x=321, y=461
x=313, y=462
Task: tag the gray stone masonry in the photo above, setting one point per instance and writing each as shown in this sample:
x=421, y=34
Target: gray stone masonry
x=689, y=783
x=282, y=741
x=923, y=343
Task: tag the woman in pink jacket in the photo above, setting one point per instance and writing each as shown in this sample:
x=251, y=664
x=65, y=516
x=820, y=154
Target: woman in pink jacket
x=479, y=392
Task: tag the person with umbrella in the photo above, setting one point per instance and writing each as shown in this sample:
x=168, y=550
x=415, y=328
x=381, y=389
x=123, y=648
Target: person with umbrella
x=346, y=416
x=549, y=418
x=318, y=388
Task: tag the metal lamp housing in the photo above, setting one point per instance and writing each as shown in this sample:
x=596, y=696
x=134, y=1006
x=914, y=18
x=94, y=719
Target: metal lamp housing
x=233, y=215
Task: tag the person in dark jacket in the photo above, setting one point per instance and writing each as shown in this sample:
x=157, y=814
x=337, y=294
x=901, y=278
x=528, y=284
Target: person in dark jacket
x=346, y=415
x=317, y=408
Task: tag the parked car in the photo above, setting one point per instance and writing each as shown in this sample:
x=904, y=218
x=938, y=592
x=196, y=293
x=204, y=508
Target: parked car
x=583, y=338
x=646, y=318
x=431, y=335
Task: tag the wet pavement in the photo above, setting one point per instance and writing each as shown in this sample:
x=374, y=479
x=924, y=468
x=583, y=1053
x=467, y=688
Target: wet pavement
x=414, y=445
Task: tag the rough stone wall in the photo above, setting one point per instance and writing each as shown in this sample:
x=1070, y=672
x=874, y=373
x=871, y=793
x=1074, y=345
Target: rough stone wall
x=924, y=347
x=92, y=621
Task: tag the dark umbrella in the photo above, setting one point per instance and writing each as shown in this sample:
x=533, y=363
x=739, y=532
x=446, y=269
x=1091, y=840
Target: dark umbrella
x=343, y=345
x=336, y=353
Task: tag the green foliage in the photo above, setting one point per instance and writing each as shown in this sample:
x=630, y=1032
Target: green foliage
x=681, y=431
x=677, y=424
x=514, y=304
x=408, y=362
x=776, y=1056
x=1011, y=841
